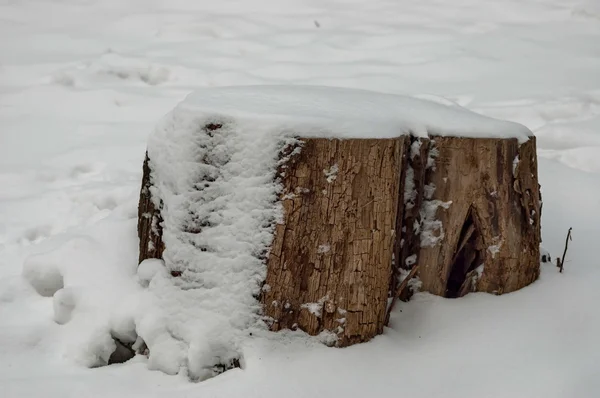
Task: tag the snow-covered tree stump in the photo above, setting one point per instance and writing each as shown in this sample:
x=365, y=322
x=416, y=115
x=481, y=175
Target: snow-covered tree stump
x=299, y=207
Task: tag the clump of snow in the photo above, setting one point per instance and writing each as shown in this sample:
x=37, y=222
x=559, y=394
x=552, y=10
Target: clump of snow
x=328, y=338
x=479, y=270
x=331, y=173
x=515, y=165
x=148, y=269
x=348, y=113
x=324, y=248
x=315, y=308
x=432, y=155
x=410, y=260
x=545, y=256
x=494, y=249
x=432, y=229
x=414, y=284
x=415, y=149
x=63, y=304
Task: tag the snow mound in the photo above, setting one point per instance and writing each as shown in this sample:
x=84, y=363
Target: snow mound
x=90, y=276
x=112, y=67
x=214, y=179
x=315, y=111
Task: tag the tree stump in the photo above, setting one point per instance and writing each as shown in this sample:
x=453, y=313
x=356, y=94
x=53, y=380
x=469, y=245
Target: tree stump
x=465, y=210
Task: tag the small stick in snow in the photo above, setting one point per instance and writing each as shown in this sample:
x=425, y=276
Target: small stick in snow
x=399, y=291
x=561, y=264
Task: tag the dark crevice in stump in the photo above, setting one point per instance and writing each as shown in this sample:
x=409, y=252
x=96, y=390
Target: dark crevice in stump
x=468, y=257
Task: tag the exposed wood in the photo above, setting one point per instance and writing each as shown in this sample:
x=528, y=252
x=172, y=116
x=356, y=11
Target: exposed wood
x=149, y=220
x=329, y=268
x=415, y=166
x=469, y=284
x=483, y=210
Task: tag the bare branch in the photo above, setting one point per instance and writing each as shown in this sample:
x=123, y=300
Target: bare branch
x=561, y=264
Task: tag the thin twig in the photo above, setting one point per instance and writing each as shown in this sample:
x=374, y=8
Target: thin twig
x=562, y=261
x=399, y=291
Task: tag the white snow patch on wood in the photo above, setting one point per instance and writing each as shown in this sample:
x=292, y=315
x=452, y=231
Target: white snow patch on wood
x=494, y=249
x=415, y=149
x=410, y=193
x=515, y=165
x=331, y=173
x=315, y=308
x=324, y=248
x=431, y=229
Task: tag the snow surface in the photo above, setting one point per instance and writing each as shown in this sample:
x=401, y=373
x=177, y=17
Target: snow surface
x=83, y=83
x=345, y=113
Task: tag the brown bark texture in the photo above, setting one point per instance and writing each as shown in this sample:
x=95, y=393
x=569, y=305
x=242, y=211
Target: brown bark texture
x=479, y=217
x=330, y=264
x=149, y=220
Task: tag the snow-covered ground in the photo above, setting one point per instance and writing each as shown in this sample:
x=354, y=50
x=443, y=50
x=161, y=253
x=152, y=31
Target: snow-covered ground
x=83, y=82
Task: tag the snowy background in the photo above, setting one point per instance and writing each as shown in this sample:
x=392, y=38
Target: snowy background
x=83, y=83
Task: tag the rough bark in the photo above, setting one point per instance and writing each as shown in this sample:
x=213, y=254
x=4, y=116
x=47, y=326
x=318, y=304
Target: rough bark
x=482, y=201
x=330, y=264
x=149, y=220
